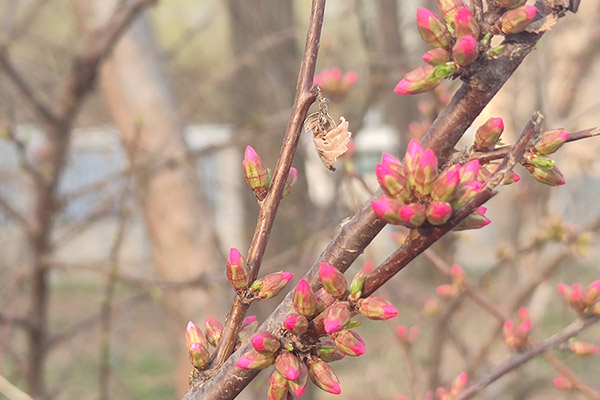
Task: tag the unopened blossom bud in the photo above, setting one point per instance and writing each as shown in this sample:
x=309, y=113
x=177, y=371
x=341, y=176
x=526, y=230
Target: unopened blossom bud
x=447, y=291
x=412, y=215
x=469, y=171
x=475, y=220
x=432, y=29
x=465, y=24
x=298, y=385
x=323, y=376
x=583, y=348
x=407, y=336
x=551, y=177
x=419, y=80
x=265, y=343
x=349, y=342
x=213, y=331
x=290, y=181
x=390, y=175
x=438, y=213
x=247, y=329
x=414, y=151
x=356, y=285
x=387, y=209
x=466, y=191
x=517, y=19
x=278, y=387
x=458, y=275
x=288, y=365
x=193, y=334
x=449, y=9
x=592, y=293
x=431, y=308
x=270, y=285
x=562, y=383
x=324, y=299
x=255, y=360
x=510, y=3
x=237, y=271
x=304, y=299
x=328, y=351
x=459, y=384
x=256, y=173
x=550, y=141
x=425, y=172
x=296, y=323
x=374, y=307
x=337, y=317
x=333, y=281
x=436, y=56
x=488, y=134
x=442, y=393
x=444, y=187
x=464, y=51
x=199, y=355
x=541, y=161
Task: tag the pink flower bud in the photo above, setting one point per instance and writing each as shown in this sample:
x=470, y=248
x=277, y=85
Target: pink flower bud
x=265, y=343
x=288, y=365
x=432, y=29
x=425, y=172
x=333, y=281
x=458, y=275
x=387, y=209
x=436, y=56
x=296, y=323
x=466, y=191
x=324, y=299
x=469, y=171
x=337, y=317
x=199, y=355
x=550, y=141
x=298, y=386
x=237, y=271
x=407, y=336
x=356, y=285
x=270, y=285
x=447, y=291
x=290, y=181
x=444, y=187
x=465, y=24
x=349, y=342
x=304, y=299
x=248, y=328
x=193, y=334
x=420, y=80
x=412, y=215
x=517, y=19
x=278, y=387
x=255, y=360
x=488, y=134
x=562, y=383
x=328, y=351
x=510, y=3
x=323, y=376
x=390, y=175
x=475, y=220
x=591, y=294
x=213, y=331
x=583, y=348
x=459, y=384
x=374, y=307
x=438, y=213
x=449, y=9
x=256, y=173
x=465, y=51
x=549, y=176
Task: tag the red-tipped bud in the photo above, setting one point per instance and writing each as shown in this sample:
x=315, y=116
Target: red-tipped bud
x=278, y=387
x=464, y=51
x=591, y=294
x=550, y=141
x=193, y=334
x=265, y=343
x=414, y=151
x=419, y=80
x=199, y=355
x=465, y=24
x=333, y=281
x=583, y=348
x=387, y=209
x=459, y=384
x=432, y=29
x=349, y=342
x=304, y=299
x=323, y=376
x=469, y=171
x=466, y=191
x=447, y=291
x=390, y=175
x=329, y=352
x=374, y=307
x=449, y=9
x=272, y=284
x=255, y=360
x=436, y=57
x=324, y=299
x=425, y=172
x=290, y=181
x=213, y=331
x=407, y=336
x=248, y=328
x=337, y=317
x=412, y=215
x=256, y=174
x=516, y=20
x=296, y=323
x=298, y=386
x=488, y=134
x=549, y=176
x=510, y=3
x=475, y=220
x=237, y=271
x=444, y=187
x=562, y=383
x=288, y=365
x=438, y=213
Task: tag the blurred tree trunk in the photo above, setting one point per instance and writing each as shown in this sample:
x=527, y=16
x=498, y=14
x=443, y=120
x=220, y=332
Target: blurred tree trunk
x=143, y=106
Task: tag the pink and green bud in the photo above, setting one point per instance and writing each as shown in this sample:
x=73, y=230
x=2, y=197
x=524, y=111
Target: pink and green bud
x=199, y=355
x=323, y=376
x=193, y=334
x=357, y=284
x=349, y=342
x=438, y=213
x=288, y=365
x=466, y=191
x=458, y=275
x=574, y=295
x=420, y=80
x=469, y=171
x=324, y=299
x=475, y=220
x=390, y=175
x=271, y=285
x=213, y=331
x=517, y=19
x=464, y=51
x=583, y=348
x=459, y=384
x=265, y=343
x=436, y=56
x=465, y=24
x=374, y=307
x=488, y=134
x=304, y=299
x=333, y=281
x=562, y=383
x=541, y=161
x=290, y=181
x=551, y=177
x=432, y=29
x=449, y=9
x=591, y=294
x=255, y=360
x=387, y=209
x=247, y=329
x=444, y=187
x=510, y=3
x=407, y=336
x=550, y=141
x=447, y=291
x=278, y=387
x=298, y=385
x=412, y=215
x=337, y=317
x=256, y=173
x=237, y=271
x=425, y=172
x=296, y=323
x=329, y=352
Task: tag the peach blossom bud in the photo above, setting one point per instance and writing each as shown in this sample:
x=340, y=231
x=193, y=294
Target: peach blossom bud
x=288, y=365
x=298, y=385
x=323, y=376
x=438, y=213
x=562, y=383
x=459, y=384
x=333, y=281
x=247, y=329
x=414, y=151
x=390, y=175
x=255, y=360
x=449, y=9
x=266, y=343
x=328, y=351
x=469, y=171
x=436, y=56
x=432, y=29
x=304, y=299
x=290, y=181
x=349, y=342
x=464, y=51
x=237, y=271
x=337, y=317
x=421, y=80
x=488, y=134
x=213, y=331
x=551, y=177
x=412, y=215
x=447, y=291
x=592, y=293
x=278, y=387
x=271, y=285
x=425, y=172
x=465, y=24
x=199, y=355
x=387, y=209
x=583, y=348
x=516, y=20
x=475, y=220
x=374, y=307
x=466, y=191
x=296, y=323
x=407, y=336
x=193, y=334
x=256, y=173
x=550, y=141
x=444, y=187
x=324, y=299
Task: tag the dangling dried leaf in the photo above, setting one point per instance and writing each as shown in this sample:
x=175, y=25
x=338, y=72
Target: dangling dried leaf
x=332, y=144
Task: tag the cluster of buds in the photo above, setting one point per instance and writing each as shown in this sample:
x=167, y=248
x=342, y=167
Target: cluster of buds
x=457, y=40
x=538, y=164
x=515, y=336
x=258, y=176
x=456, y=287
x=334, y=83
x=586, y=301
x=456, y=387
x=407, y=336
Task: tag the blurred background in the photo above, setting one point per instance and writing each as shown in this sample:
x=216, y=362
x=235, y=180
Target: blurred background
x=119, y=200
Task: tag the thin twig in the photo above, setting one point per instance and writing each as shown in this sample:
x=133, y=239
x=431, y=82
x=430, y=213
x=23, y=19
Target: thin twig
x=11, y=391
